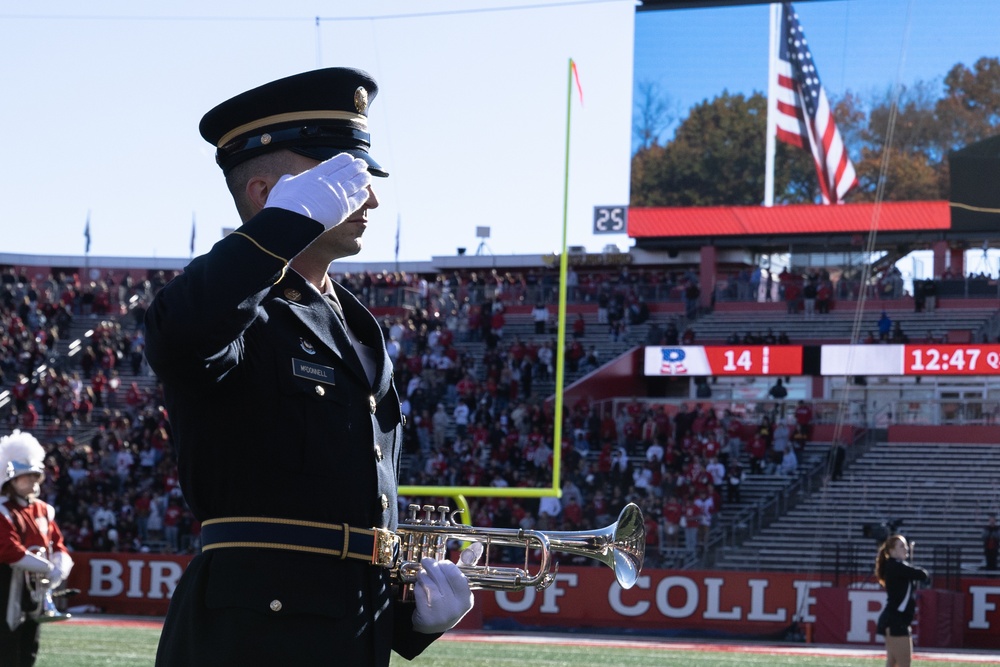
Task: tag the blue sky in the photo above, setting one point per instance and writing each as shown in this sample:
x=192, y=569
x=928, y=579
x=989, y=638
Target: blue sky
x=102, y=102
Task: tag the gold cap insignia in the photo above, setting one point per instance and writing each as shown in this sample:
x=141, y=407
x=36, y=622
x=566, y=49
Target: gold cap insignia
x=293, y=294
x=361, y=99
x=265, y=139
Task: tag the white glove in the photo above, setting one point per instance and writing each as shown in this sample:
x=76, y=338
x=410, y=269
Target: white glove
x=328, y=193
x=442, y=596
x=36, y=564
x=62, y=564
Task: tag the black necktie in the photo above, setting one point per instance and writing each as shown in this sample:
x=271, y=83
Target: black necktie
x=337, y=308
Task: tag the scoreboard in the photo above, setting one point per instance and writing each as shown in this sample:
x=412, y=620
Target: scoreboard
x=826, y=360
x=719, y=360
x=926, y=359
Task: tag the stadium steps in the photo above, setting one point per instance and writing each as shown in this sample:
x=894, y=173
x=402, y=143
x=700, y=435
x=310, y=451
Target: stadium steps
x=940, y=493
x=837, y=326
x=760, y=488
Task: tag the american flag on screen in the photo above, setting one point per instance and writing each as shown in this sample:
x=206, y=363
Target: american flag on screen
x=804, y=117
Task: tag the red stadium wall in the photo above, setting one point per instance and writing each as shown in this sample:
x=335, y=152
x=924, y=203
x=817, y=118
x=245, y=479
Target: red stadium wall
x=621, y=377
x=663, y=602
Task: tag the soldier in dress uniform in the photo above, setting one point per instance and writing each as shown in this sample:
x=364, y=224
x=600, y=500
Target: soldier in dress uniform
x=30, y=544
x=286, y=422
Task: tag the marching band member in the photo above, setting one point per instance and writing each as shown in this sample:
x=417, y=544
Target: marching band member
x=30, y=543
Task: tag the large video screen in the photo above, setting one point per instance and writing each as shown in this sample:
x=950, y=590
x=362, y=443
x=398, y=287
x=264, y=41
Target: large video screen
x=867, y=99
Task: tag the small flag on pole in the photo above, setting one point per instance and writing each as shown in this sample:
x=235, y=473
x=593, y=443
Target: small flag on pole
x=804, y=116
x=398, y=220
x=86, y=234
x=576, y=78
x=192, y=234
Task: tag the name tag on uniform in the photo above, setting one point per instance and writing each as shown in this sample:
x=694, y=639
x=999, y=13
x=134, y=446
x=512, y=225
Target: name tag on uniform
x=304, y=369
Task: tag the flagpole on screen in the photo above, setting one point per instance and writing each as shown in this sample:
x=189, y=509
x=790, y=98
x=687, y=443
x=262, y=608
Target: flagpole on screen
x=191, y=255
x=770, y=144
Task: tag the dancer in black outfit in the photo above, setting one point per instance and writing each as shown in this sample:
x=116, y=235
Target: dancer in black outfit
x=897, y=576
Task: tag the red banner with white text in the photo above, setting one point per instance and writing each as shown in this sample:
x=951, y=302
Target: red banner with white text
x=663, y=602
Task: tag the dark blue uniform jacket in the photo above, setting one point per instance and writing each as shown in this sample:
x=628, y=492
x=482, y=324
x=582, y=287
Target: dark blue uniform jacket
x=273, y=415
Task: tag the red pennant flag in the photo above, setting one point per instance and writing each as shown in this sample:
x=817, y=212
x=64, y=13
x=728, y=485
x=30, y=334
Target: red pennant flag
x=576, y=78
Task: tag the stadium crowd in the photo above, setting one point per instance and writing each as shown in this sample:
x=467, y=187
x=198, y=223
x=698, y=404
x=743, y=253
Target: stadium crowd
x=473, y=414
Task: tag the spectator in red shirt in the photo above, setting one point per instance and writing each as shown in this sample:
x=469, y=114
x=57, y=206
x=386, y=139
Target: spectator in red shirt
x=98, y=383
x=141, y=506
x=497, y=323
x=29, y=418
x=466, y=386
x=673, y=510
x=171, y=525
x=692, y=522
x=572, y=514
x=803, y=414
x=710, y=448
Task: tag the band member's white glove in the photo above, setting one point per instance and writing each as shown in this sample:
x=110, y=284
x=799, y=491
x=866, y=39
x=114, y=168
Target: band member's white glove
x=63, y=565
x=328, y=193
x=36, y=564
x=442, y=596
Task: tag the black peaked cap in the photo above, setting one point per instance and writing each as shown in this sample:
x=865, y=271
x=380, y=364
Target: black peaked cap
x=317, y=114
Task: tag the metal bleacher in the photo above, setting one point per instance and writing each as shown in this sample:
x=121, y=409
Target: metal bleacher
x=937, y=494
x=837, y=326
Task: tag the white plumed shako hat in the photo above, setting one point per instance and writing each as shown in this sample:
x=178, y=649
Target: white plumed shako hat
x=20, y=454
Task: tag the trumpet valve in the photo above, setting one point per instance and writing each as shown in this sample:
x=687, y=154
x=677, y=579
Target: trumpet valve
x=429, y=513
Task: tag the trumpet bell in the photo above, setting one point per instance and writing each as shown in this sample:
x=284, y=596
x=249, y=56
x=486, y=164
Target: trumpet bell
x=630, y=546
x=621, y=546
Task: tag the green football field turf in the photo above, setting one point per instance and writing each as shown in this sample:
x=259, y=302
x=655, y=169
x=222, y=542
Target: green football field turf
x=87, y=644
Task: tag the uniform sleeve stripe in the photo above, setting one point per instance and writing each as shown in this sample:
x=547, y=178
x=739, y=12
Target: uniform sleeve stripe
x=284, y=262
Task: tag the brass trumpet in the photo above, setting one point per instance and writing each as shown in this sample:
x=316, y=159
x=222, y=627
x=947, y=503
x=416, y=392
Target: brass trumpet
x=621, y=546
x=38, y=589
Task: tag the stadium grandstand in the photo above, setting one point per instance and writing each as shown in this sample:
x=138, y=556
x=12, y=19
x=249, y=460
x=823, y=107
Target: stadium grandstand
x=738, y=466
x=481, y=332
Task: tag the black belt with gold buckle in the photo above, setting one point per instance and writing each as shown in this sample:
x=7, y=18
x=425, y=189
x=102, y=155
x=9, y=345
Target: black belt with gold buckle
x=377, y=546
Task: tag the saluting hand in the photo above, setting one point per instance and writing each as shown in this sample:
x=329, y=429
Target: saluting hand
x=328, y=193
